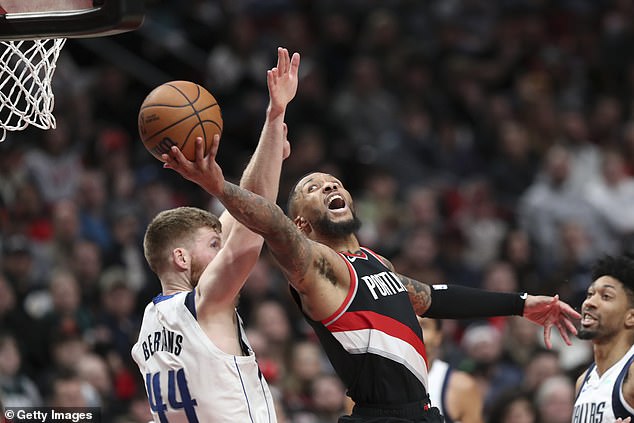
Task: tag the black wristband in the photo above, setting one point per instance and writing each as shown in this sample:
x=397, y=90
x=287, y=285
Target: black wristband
x=461, y=302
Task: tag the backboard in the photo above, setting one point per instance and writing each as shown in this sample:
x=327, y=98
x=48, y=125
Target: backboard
x=33, y=19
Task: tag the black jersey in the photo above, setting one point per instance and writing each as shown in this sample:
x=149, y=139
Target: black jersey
x=373, y=340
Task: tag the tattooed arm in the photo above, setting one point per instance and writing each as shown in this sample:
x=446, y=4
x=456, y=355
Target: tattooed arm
x=459, y=302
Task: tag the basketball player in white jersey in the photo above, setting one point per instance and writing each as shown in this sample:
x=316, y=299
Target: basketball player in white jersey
x=605, y=391
x=192, y=351
x=454, y=392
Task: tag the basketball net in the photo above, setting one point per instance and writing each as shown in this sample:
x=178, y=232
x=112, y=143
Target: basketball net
x=26, y=72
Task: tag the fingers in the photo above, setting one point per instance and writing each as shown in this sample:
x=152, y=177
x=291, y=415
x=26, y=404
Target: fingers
x=569, y=325
x=285, y=61
x=564, y=333
x=547, y=328
x=215, y=142
x=173, y=158
x=569, y=311
x=199, y=149
x=294, y=64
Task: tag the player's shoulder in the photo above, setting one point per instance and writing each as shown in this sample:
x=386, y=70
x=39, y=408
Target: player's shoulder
x=462, y=382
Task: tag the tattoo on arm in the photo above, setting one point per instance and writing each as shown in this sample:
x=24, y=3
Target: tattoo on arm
x=419, y=294
x=289, y=246
x=325, y=269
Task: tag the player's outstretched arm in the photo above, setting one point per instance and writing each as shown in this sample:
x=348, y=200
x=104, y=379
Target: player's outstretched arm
x=443, y=301
x=297, y=256
x=241, y=246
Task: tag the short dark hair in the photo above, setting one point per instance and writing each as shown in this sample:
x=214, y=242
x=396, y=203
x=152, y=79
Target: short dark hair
x=620, y=268
x=292, y=196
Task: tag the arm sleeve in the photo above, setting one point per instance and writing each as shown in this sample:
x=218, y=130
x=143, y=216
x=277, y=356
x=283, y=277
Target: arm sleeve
x=461, y=302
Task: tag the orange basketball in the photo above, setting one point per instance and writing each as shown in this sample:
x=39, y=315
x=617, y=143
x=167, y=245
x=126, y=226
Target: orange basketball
x=175, y=113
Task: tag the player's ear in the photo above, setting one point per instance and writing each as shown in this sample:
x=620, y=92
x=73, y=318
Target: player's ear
x=629, y=318
x=180, y=257
x=302, y=224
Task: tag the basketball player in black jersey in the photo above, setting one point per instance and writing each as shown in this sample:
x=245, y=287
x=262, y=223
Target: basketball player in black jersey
x=363, y=312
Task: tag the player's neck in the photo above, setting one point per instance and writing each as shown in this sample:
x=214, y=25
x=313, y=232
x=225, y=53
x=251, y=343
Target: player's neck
x=172, y=286
x=608, y=353
x=347, y=243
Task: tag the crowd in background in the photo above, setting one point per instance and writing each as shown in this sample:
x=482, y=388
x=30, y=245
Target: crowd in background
x=486, y=143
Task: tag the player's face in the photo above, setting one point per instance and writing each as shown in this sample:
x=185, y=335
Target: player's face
x=431, y=334
x=604, y=310
x=206, y=245
x=325, y=203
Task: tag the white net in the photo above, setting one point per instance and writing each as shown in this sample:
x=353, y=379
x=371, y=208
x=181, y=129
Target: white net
x=26, y=71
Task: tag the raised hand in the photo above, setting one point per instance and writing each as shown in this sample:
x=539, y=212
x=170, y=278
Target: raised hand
x=625, y=420
x=282, y=81
x=203, y=170
x=549, y=312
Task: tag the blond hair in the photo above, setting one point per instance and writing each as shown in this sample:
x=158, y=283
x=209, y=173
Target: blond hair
x=172, y=227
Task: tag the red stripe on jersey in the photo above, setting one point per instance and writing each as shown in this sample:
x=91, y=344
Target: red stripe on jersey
x=356, y=320
x=351, y=290
x=361, y=255
x=375, y=255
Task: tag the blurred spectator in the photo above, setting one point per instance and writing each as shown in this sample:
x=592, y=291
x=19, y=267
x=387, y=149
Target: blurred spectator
x=366, y=109
x=55, y=165
x=66, y=233
x=68, y=315
x=138, y=410
x=304, y=365
x=514, y=166
x=482, y=344
x=380, y=208
x=328, y=398
x=117, y=326
x=521, y=340
x=479, y=221
x=87, y=265
x=418, y=256
x=612, y=196
x=18, y=264
x=127, y=250
x=93, y=369
x=513, y=406
x=518, y=250
x=555, y=399
x=92, y=199
x=16, y=389
x=553, y=200
x=271, y=320
x=67, y=390
x=542, y=365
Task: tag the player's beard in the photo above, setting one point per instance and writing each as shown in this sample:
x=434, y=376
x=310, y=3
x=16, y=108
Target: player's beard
x=196, y=273
x=586, y=334
x=337, y=229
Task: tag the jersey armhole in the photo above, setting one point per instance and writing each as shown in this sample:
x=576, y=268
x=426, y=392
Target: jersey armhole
x=190, y=303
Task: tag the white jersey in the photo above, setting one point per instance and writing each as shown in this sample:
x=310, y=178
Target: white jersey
x=187, y=378
x=600, y=399
x=438, y=382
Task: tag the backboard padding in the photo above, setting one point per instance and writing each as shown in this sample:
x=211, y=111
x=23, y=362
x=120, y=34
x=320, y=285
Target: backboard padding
x=33, y=19
x=38, y=6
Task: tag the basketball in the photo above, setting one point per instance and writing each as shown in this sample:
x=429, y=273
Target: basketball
x=175, y=113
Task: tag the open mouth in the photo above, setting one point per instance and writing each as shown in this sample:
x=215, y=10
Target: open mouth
x=587, y=319
x=336, y=202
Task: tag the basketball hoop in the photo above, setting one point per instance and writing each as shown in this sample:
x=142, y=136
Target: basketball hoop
x=26, y=72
